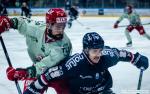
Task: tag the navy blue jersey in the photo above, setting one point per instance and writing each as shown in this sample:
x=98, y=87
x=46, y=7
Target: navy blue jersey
x=73, y=12
x=25, y=11
x=85, y=78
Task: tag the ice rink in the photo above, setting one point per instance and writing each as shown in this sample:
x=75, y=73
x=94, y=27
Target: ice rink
x=125, y=75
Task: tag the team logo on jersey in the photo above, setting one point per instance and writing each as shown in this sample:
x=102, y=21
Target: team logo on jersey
x=86, y=77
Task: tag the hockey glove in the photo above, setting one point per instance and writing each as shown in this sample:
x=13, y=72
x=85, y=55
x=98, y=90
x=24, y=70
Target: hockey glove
x=16, y=74
x=5, y=24
x=31, y=89
x=116, y=24
x=140, y=61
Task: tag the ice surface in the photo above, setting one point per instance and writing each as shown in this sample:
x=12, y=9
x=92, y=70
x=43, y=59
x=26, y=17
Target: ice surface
x=125, y=76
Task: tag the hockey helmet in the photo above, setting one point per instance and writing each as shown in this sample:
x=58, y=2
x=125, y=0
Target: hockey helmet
x=56, y=15
x=93, y=40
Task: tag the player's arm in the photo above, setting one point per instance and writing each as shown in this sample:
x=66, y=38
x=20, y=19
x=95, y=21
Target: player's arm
x=24, y=73
x=136, y=59
x=35, y=70
x=55, y=56
x=119, y=20
x=44, y=79
x=25, y=26
x=76, y=14
x=58, y=72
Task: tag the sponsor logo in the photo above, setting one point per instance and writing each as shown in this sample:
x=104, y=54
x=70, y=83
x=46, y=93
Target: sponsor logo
x=73, y=61
x=108, y=52
x=61, y=20
x=92, y=90
x=86, y=77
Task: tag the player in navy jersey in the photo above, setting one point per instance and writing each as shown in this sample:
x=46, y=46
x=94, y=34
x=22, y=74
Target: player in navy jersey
x=3, y=10
x=73, y=15
x=87, y=72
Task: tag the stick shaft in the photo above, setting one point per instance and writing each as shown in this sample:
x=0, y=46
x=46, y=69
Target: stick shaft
x=140, y=80
x=9, y=63
x=127, y=25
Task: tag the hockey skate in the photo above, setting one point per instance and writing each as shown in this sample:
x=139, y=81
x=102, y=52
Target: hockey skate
x=129, y=44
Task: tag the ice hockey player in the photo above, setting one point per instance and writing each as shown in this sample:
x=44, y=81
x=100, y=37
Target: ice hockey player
x=25, y=10
x=73, y=15
x=47, y=45
x=3, y=10
x=87, y=73
x=135, y=23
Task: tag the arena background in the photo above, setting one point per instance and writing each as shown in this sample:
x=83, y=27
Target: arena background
x=86, y=7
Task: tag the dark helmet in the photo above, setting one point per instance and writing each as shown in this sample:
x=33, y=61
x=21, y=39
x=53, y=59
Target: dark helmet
x=93, y=40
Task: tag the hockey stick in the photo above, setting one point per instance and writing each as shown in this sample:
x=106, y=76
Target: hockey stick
x=127, y=25
x=140, y=79
x=82, y=24
x=9, y=63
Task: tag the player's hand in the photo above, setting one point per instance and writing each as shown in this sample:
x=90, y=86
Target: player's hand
x=115, y=25
x=5, y=24
x=140, y=61
x=16, y=74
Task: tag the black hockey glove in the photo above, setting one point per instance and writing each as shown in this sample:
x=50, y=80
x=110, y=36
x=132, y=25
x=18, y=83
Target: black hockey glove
x=140, y=61
x=32, y=90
